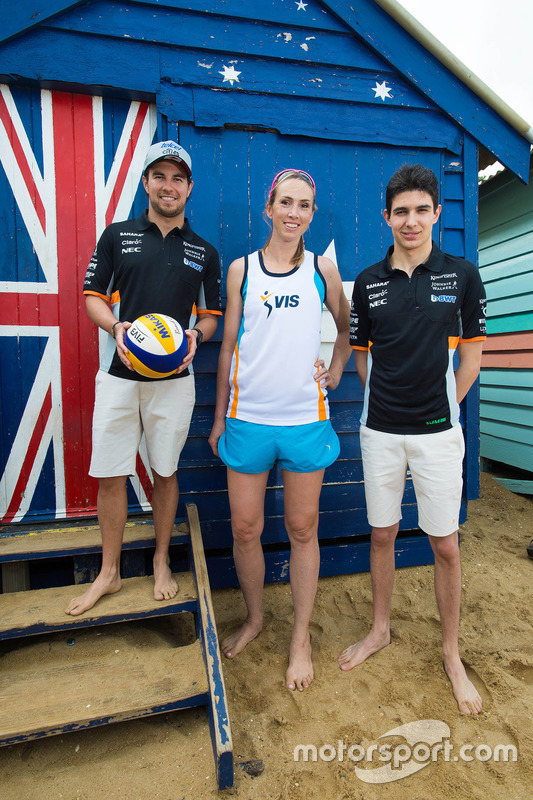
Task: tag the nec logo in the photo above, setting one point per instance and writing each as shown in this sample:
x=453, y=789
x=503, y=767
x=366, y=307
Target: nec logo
x=382, y=302
x=443, y=298
x=131, y=250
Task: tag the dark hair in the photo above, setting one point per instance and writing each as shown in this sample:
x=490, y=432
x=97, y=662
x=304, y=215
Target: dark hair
x=298, y=257
x=409, y=178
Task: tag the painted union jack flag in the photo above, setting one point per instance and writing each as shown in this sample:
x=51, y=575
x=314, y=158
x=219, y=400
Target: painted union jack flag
x=71, y=165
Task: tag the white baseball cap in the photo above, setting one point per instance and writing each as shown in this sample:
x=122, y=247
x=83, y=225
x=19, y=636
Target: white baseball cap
x=168, y=150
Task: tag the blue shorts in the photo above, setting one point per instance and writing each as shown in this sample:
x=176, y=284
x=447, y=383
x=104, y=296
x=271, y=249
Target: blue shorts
x=252, y=448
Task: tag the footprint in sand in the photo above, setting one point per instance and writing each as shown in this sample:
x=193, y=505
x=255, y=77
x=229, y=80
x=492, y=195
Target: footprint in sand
x=524, y=672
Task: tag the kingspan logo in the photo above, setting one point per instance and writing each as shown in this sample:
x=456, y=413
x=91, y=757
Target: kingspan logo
x=271, y=301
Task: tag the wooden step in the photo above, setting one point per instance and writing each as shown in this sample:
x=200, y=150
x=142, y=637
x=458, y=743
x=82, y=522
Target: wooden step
x=43, y=610
x=18, y=544
x=218, y=707
x=48, y=688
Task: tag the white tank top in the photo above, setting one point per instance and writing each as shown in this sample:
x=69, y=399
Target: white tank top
x=271, y=376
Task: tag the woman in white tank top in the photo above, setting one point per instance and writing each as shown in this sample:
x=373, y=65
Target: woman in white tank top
x=272, y=405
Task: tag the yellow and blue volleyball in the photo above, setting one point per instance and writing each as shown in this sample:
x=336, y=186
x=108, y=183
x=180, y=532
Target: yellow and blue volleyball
x=156, y=344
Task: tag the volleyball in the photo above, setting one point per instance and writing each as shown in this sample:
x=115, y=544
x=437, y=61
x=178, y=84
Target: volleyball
x=156, y=344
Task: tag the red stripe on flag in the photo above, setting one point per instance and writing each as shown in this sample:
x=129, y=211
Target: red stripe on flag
x=22, y=162
x=37, y=309
x=76, y=214
x=29, y=460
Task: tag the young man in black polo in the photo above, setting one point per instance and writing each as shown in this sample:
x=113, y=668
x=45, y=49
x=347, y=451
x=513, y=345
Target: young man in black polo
x=410, y=312
x=153, y=264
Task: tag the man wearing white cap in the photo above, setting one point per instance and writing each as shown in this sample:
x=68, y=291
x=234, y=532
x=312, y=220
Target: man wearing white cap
x=152, y=264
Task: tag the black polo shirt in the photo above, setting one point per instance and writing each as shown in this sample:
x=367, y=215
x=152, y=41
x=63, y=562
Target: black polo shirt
x=411, y=328
x=140, y=272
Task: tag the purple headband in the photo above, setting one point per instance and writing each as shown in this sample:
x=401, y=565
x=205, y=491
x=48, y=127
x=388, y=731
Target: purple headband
x=305, y=175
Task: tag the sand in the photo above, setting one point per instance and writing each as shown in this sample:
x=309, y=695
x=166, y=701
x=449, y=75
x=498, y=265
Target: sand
x=169, y=756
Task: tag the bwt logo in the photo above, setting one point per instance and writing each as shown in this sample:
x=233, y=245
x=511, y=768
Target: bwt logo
x=443, y=298
x=193, y=264
x=279, y=301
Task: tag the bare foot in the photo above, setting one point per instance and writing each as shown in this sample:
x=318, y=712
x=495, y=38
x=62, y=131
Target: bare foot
x=464, y=691
x=300, y=672
x=360, y=651
x=233, y=644
x=165, y=587
x=101, y=586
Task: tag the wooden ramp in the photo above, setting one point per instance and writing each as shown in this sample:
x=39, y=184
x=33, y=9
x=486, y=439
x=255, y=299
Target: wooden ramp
x=66, y=688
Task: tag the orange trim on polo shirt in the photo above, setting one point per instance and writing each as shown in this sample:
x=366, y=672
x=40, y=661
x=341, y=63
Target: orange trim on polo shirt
x=97, y=294
x=208, y=311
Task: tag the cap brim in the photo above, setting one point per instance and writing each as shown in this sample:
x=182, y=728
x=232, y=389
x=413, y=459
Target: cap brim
x=170, y=158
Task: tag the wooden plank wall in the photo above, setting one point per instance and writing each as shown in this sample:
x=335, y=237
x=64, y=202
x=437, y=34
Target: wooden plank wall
x=506, y=265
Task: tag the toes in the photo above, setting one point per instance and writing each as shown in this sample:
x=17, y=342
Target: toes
x=475, y=705
x=73, y=609
x=300, y=683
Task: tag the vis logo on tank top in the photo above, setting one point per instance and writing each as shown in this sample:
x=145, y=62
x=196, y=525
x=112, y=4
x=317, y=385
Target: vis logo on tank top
x=271, y=301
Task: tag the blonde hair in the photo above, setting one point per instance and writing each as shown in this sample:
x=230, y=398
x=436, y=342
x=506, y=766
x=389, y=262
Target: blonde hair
x=298, y=256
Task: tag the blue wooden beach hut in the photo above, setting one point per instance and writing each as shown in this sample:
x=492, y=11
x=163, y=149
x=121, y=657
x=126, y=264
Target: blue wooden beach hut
x=506, y=381
x=347, y=91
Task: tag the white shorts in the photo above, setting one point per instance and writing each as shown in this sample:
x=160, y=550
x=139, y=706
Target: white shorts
x=435, y=461
x=124, y=410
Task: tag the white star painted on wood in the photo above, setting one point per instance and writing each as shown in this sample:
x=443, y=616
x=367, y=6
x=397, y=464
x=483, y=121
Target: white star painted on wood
x=330, y=252
x=328, y=327
x=381, y=90
x=230, y=74
x=301, y=6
